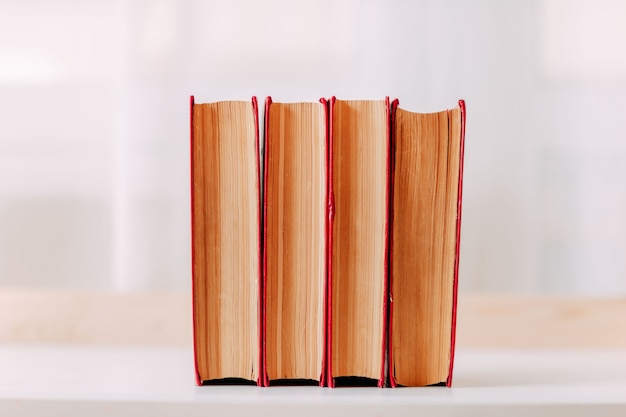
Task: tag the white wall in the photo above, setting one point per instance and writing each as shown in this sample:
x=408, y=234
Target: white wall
x=94, y=164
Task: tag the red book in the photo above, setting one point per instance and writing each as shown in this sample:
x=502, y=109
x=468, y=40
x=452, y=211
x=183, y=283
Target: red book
x=294, y=233
x=358, y=226
x=427, y=179
x=226, y=242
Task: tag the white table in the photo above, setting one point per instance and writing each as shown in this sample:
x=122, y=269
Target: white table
x=66, y=380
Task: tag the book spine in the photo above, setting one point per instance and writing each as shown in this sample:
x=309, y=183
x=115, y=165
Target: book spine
x=330, y=382
x=458, y=242
x=193, y=263
x=392, y=157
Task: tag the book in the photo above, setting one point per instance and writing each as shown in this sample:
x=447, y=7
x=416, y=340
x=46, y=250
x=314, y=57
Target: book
x=226, y=241
x=427, y=173
x=358, y=211
x=294, y=233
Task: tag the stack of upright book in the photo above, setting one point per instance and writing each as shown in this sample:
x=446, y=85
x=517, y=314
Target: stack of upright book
x=333, y=258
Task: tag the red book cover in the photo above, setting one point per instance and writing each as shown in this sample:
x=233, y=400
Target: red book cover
x=264, y=376
x=193, y=263
x=392, y=116
x=448, y=381
x=270, y=152
x=332, y=212
x=458, y=241
x=195, y=301
x=255, y=109
x=323, y=381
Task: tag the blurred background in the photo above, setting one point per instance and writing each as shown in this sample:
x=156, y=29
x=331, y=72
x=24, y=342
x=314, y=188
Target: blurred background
x=94, y=126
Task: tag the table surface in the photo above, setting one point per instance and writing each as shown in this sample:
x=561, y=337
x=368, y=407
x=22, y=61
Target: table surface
x=68, y=380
